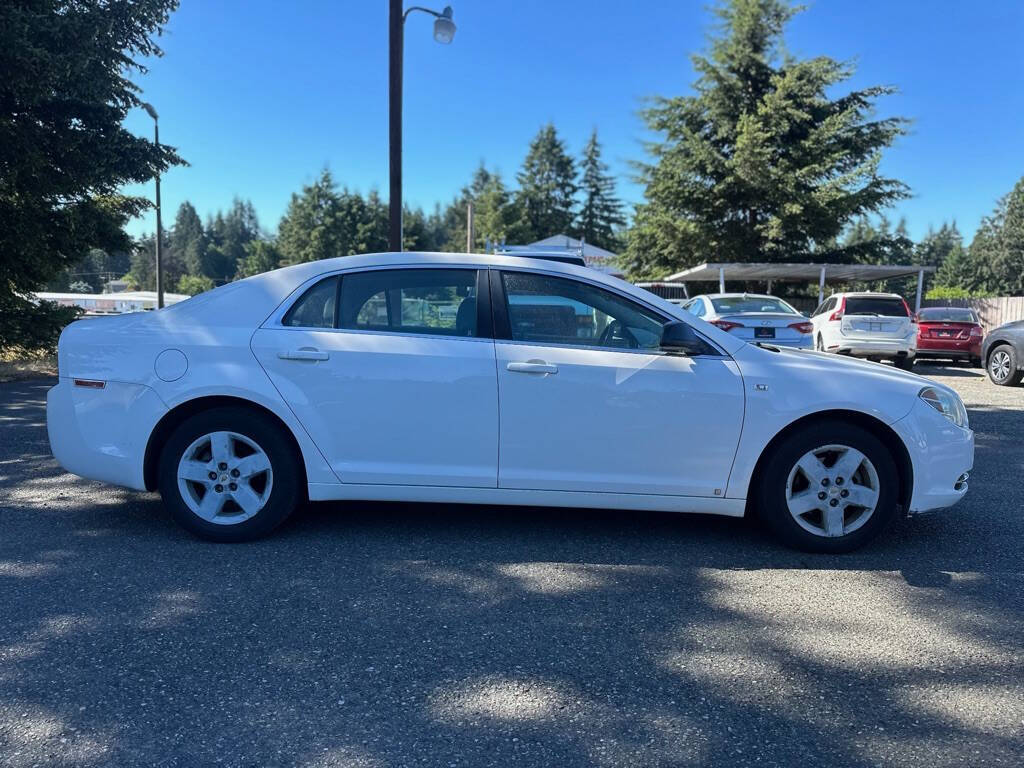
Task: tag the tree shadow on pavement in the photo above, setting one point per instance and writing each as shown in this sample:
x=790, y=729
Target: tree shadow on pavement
x=394, y=634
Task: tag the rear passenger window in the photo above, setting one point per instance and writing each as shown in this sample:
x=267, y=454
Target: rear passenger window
x=316, y=307
x=428, y=301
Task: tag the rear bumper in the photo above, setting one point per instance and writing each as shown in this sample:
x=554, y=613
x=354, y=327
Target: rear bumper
x=873, y=347
x=941, y=453
x=101, y=434
x=948, y=349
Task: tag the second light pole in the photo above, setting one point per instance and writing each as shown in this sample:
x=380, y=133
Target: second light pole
x=444, y=31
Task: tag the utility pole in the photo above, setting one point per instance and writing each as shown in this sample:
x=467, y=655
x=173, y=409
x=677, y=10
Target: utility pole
x=159, y=225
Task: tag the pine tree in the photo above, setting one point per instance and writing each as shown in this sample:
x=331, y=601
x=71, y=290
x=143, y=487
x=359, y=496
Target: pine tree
x=1008, y=257
x=188, y=238
x=547, y=187
x=762, y=163
x=260, y=256
x=309, y=229
x=65, y=157
x=600, y=217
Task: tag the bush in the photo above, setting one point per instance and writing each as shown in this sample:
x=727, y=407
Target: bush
x=953, y=292
x=32, y=327
x=193, y=284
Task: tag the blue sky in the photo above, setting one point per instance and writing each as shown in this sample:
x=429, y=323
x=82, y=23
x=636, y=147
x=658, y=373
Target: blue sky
x=260, y=95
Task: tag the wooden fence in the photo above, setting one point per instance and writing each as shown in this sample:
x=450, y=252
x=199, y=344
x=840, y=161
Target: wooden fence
x=992, y=312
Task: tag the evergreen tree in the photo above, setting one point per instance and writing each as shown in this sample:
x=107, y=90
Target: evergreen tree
x=65, y=156
x=547, y=187
x=762, y=163
x=188, y=239
x=260, y=256
x=600, y=217
x=309, y=230
x=1008, y=257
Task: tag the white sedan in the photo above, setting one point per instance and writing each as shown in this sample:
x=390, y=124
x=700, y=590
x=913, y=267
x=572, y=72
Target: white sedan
x=754, y=317
x=491, y=380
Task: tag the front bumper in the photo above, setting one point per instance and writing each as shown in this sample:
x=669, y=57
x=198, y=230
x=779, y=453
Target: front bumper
x=940, y=454
x=101, y=434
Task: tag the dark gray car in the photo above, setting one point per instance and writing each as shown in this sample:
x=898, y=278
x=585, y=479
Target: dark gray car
x=1003, y=353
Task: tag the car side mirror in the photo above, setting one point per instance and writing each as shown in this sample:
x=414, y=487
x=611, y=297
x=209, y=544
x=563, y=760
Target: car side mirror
x=678, y=338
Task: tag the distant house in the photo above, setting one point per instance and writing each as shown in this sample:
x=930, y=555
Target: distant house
x=596, y=258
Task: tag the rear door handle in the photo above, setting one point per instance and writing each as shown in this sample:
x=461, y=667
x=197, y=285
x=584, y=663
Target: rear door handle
x=533, y=366
x=305, y=353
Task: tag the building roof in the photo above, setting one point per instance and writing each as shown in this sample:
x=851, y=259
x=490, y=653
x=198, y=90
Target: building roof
x=595, y=258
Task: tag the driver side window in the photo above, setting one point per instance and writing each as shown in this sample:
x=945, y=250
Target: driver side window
x=555, y=310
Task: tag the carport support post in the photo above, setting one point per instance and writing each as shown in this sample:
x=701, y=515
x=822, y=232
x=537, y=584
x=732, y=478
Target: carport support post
x=721, y=279
x=821, y=287
x=920, y=284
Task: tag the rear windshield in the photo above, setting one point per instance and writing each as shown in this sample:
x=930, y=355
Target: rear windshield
x=882, y=306
x=947, y=315
x=733, y=304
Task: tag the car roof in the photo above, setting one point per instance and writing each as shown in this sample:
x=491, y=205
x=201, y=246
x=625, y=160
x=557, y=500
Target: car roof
x=867, y=294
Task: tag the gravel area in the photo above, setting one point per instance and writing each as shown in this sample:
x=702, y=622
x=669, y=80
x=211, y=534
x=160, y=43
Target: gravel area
x=393, y=635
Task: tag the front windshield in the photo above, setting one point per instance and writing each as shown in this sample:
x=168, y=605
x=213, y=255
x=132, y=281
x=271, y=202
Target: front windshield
x=947, y=315
x=733, y=304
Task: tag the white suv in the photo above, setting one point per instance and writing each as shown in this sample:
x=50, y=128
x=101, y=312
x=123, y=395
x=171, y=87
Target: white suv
x=872, y=325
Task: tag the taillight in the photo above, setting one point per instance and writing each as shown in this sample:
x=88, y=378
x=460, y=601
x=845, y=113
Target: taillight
x=726, y=325
x=802, y=327
x=976, y=330
x=838, y=314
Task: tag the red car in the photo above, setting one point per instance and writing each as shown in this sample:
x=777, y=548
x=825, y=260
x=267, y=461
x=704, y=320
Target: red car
x=949, y=333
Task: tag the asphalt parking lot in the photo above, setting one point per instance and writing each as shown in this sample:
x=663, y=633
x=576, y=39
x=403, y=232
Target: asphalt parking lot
x=383, y=634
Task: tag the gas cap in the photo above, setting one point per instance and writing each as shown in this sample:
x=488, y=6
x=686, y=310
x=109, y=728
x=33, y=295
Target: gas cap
x=171, y=364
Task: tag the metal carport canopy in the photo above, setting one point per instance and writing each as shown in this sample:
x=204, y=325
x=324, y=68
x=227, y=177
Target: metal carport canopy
x=847, y=273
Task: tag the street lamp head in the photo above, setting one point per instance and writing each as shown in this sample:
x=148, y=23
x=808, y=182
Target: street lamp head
x=149, y=108
x=444, y=27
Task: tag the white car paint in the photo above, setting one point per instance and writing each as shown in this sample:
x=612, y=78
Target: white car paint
x=788, y=328
x=889, y=336
x=409, y=417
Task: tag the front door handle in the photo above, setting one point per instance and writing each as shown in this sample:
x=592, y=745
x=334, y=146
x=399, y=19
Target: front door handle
x=533, y=366
x=305, y=353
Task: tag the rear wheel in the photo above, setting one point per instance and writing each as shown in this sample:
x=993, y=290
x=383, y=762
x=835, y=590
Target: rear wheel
x=904, y=363
x=975, y=362
x=830, y=487
x=1002, y=366
x=229, y=474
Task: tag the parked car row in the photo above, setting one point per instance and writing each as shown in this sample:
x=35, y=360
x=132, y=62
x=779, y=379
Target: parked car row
x=875, y=326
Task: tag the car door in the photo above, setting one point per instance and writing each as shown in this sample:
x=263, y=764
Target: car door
x=588, y=402
x=392, y=373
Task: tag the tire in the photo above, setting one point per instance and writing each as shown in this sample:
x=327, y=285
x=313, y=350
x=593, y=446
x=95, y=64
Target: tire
x=904, y=363
x=259, y=486
x=1002, y=366
x=976, y=362
x=829, y=442
x=819, y=345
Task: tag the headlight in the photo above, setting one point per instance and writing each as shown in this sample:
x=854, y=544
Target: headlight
x=946, y=403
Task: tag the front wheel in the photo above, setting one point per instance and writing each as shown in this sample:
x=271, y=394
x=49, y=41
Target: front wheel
x=229, y=474
x=1002, y=366
x=830, y=487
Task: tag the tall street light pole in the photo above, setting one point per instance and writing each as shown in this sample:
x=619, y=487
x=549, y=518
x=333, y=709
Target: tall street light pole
x=444, y=31
x=159, y=226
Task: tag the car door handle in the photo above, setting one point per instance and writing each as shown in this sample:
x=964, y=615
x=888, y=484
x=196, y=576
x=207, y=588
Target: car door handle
x=533, y=366
x=305, y=353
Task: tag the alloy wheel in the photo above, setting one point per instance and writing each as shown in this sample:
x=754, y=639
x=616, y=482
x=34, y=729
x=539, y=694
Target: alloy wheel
x=999, y=365
x=225, y=478
x=832, y=491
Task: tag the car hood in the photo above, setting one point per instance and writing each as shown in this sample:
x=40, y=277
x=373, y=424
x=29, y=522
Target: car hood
x=803, y=381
